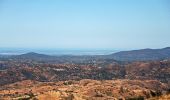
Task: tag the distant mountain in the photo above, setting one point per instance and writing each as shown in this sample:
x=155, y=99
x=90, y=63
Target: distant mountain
x=53, y=58
x=33, y=55
x=142, y=55
x=134, y=55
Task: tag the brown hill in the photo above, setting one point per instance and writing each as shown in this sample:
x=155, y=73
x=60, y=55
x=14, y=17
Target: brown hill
x=83, y=90
x=13, y=71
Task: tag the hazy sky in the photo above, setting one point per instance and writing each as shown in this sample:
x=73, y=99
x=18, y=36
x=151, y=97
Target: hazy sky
x=89, y=24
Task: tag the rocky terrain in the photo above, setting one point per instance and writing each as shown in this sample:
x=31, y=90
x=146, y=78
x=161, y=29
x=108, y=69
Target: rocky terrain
x=84, y=90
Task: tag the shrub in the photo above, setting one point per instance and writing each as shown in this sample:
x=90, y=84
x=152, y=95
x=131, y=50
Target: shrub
x=136, y=98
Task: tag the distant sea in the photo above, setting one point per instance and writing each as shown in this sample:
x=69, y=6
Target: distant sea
x=18, y=51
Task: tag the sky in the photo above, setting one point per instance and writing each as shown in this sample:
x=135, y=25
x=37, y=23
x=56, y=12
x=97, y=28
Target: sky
x=85, y=24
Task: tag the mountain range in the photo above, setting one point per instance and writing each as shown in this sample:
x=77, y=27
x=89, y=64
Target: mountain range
x=142, y=55
x=133, y=55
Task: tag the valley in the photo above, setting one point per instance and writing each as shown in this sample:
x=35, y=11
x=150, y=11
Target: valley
x=100, y=77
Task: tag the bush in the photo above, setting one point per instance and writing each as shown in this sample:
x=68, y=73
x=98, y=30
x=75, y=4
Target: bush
x=136, y=98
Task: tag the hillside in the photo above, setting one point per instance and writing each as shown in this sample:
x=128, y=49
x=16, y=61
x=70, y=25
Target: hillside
x=83, y=90
x=39, y=76
x=13, y=71
x=142, y=55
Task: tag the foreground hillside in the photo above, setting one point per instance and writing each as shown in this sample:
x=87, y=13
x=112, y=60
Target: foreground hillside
x=163, y=97
x=83, y=90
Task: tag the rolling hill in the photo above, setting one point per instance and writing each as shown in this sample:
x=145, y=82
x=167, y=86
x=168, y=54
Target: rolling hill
x=142, y=55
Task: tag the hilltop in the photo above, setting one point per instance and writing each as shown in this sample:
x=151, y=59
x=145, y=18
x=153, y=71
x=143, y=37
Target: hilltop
x=142, y=55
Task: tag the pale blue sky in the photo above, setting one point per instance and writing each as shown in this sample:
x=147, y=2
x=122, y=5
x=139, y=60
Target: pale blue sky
x=88, y=24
